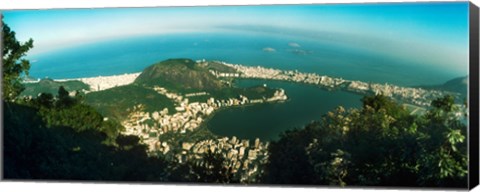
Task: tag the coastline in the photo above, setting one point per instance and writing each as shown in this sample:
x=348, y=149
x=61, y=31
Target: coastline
x=100, y=83
x=416, y=96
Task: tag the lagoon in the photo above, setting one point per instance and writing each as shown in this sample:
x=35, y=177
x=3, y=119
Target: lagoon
x=266, y=121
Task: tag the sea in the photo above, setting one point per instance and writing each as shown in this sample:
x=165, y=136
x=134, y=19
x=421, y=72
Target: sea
x=265, y=121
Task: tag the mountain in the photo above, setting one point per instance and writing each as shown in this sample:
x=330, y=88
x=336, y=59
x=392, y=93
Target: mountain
x=456, y=85
x=115, y=102
x=51, y=86
x=180, y=75
x=187, y=76
x=459, y=85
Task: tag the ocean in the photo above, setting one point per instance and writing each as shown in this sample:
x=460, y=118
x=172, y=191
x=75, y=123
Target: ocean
x=136, y=53
x=264, y=121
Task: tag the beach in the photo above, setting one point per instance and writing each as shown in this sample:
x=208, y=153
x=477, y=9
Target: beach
x=100, y=83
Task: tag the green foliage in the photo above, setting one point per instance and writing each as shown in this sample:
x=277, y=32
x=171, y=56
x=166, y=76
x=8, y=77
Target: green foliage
x=79, y=117
x=219, y=67
x=212, y=168
x=108, y=102
x=32, y=151
x=35, y=150
x=64, y=99
x=50, y=86
x=379, y=145
x=64, y=139
x=446, y=103
x=445, y=140
x=291, y=167
x=14, y=63
x=68, y=111
x=179, y=75
x=44, y=100
x=381, y=102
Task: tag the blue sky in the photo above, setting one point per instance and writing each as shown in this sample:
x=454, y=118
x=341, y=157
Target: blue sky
x=430, y=32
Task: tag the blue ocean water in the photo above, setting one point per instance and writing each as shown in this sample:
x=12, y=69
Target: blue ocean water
x=136, y=53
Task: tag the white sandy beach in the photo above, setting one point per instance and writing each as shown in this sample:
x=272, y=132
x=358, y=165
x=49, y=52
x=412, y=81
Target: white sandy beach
x=105, y=82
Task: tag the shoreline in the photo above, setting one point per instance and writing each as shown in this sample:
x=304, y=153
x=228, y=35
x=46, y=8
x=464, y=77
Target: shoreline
x=417, y=96
x=100, y=83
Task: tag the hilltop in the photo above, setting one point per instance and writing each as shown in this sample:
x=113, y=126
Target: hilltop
x=51, y=86
x=457, y=85
x=116, y=102
x=180, y=75
x=186, y=76
x=196, y=81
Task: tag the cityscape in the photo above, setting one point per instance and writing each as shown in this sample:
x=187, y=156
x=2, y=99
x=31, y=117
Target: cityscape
x=240, y=154
x=371, y=95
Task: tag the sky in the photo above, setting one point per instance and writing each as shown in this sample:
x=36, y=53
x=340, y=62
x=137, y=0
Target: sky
x=431, y=33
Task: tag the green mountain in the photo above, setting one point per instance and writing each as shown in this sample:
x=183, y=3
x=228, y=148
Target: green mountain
x=51, y=86
x=187, y=76
x=180, y=75
x=114, y=102
x=457, y=85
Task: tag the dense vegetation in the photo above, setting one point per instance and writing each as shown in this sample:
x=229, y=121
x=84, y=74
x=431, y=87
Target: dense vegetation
x=59, y=138
x=378, y=145
x=14, y=65
x=64, y=110
x=108, y=102
x=394, y=149
x=179, y=75
x=50, y=86
x=35, y=150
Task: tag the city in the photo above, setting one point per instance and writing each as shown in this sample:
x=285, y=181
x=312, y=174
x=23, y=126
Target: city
x=188, y=116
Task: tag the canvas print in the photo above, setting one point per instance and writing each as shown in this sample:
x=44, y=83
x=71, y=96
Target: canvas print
x=341, y=95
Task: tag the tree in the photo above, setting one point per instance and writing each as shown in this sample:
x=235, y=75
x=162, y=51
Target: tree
x=64, y=99
x=213, y=167
x=44, y=100
x=445, y=148
x=380, y=144
x=33, y=151
x=445, y=103
x=14, y=63
x=214, y=170
x=288, y=162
